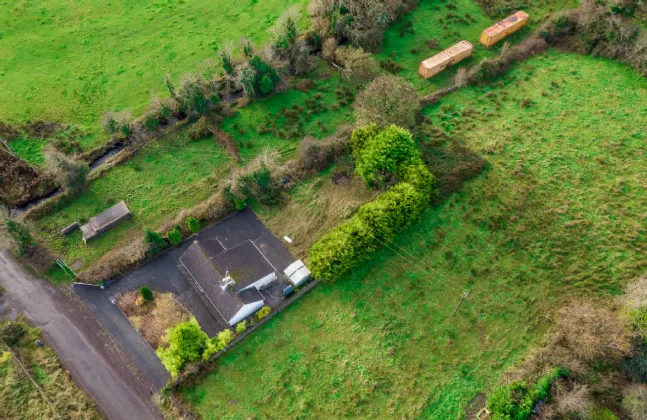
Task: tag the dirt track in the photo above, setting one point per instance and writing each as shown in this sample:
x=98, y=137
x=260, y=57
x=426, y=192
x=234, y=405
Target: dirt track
x=95, y=361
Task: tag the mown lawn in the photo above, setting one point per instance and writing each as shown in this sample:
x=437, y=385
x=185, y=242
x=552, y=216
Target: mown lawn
x=161, y=179
x=71, y=62
x=557, y=215
x=446, y=23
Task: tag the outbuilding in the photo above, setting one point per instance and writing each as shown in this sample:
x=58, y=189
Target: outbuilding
x=104, y=221
x=297, y=273
x=501, y=29
x=446, y=58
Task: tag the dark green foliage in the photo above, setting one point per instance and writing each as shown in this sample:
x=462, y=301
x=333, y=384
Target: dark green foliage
x=636, y=366
x=174, y=237
x=154, y=241
x=193, y=224
x=146, y=293
x=515, y=401
x=12, y=331
x=259, y=78
x=240, y=204
x=20, y=236
x=193, y=95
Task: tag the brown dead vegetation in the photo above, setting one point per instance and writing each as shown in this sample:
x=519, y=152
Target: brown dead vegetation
x=153, y=318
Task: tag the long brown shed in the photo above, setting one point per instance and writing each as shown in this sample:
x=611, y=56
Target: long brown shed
x=500, y=30
x=442, y=60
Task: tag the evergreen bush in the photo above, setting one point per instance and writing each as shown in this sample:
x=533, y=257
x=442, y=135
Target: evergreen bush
x=174, y=237
x=187, y=343
x=146, y=293
x=154, y=242
x=263, y=312
x=193, y=224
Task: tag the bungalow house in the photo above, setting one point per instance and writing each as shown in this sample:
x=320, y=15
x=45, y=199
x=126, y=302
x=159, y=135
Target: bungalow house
x=228, y=281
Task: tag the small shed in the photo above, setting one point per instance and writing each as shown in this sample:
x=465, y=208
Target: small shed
x=500, y=30
x=297, y=273
x=445, y=58
x=104, y=221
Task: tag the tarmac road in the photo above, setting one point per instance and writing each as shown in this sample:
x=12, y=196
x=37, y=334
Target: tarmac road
x=93, y=358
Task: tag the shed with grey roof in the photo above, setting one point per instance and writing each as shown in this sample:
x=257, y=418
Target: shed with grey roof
x=104, y=221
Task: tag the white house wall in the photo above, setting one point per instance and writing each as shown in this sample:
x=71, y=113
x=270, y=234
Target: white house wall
x=246, y=311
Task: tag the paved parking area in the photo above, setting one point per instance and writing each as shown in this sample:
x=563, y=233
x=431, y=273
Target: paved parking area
x=163, y=275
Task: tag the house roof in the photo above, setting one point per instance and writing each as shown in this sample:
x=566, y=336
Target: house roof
x=226, y=302
x=244, y=262
x=208, y=263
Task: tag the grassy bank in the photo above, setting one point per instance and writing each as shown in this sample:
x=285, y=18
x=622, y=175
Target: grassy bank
x=21, y=399
x=558, y=214
x=70, y=63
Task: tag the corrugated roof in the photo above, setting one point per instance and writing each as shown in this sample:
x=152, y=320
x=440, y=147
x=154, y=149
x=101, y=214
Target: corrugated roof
x=506, y=23
x=447, y=54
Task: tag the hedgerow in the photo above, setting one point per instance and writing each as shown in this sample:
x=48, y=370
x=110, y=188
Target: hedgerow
x=379, y=155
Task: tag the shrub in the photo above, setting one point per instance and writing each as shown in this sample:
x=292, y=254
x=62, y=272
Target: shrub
x=384, y=155
x=146, y=293
x=12, y=331
x=593, y=333
x=241, y=327
x=635, y=401
x=117, y=123
x=357, y=64
x=258, y=78
x=193, y=95
x=187, y=343
x=340, y=249
x=70, y=172
x=20, y=237
x=154, y=242
x=515, y=401
x=263, y=312
x=193, y=224
x=174, y=237
x=393, y=210
x=387, y=100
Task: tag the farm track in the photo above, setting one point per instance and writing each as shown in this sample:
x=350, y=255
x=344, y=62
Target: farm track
x=94, y=360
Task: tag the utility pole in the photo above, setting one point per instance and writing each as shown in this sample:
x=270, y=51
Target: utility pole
x=465, y=294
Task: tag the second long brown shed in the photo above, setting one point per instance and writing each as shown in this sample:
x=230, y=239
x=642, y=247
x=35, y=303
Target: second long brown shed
x=501, y=29
x=442, y=60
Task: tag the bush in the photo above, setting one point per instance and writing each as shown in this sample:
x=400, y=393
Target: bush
x=194, y=94
x=258, y=78
x=387, y=100
x=174, y=237
x=593, y=333
x=635, y=401
x=146, y=293
x=20, y=236
x=193, y=224
x=357, y=65
x=117, y=123
x=187, y=342
x=263, y=312
x=12, y=331
x=69, y=172
x=154, y=242
x=241, y=327
x=381, y=157
x=515, y=401
x=341, y=249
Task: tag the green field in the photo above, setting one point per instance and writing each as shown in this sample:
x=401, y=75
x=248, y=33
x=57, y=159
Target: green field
x=448, y=23
x=70, y=62
x=559, y=213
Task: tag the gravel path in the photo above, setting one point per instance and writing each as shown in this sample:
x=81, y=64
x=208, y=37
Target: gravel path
x=83, y=346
